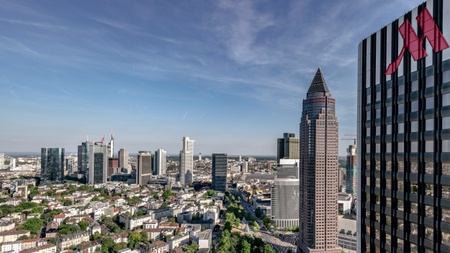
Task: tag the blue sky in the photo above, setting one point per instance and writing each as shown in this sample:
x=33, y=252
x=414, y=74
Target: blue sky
x=229, y=74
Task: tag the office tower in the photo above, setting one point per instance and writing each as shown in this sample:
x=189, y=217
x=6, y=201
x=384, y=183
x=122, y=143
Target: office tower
x=288, y=147
x=144, y=167
x=318, y=170
x=83, y=158
x=186, y=174
x=244, y=167
x=123, y=158
x=113, y=166
x=52, y=164
x=70, y=165
x=200, y=156
x=111, y=146
x=350, y=184
x=160, y=167
x=403, y=134
x=219, y=172
x=97, y=163
x=12, y=163
x=285, y=197
x=2, y=160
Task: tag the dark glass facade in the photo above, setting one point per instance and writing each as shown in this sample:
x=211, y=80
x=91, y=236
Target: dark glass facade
x=404, y=134
x=219, y=172
x=52, y=164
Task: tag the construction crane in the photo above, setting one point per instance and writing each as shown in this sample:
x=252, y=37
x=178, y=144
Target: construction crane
x=350, y=139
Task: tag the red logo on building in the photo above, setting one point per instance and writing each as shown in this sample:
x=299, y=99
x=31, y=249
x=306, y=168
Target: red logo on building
x=413, y=44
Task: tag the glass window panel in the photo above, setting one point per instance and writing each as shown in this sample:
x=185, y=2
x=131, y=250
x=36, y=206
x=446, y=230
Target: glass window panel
x=446, y=214
x=389, y=129
x=414, y=106
x=367, y=115
x=414, y=167
x=389, y=93
x=446, y=169
x=400, y=128
x=378, y=98
x=414, y=231
x=389, y=166
x=429, y=124
x=429, y=146
x=414, y=85
x=429, y=211
x=446, y=123
x=389, y=111
x=430, y=81
x=367, y=148
x=414, y=147
x=430, y=102
x=429, y=168
x=445, y=238
x=368, y=99
x=378, y=131
x=378, y=113
x=400, y=147
x=401, y=89
x=429, y=190
x=446, y=76
x=401, y=109
x=377, y=147
x=400, y=167
x=445, y=145
x=446, y=99
x=388, y=147
x=414, y=126
x=446, y=192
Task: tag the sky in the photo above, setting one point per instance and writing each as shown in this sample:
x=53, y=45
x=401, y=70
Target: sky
x=231, y=75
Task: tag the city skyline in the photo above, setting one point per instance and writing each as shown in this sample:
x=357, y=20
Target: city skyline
x=153, y=72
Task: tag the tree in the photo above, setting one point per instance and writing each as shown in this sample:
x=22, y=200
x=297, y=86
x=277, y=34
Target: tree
x=83, y=225
x=52, y=240
x=107, y=244
x=245, y=247
x=268, y=249
x=119, y=246
x=67, y=229
x=167, y=194
x=193, y=248
x=67, y=202
x=95, y=198
x=255, y=226
x=135, y=238
x=34, y=225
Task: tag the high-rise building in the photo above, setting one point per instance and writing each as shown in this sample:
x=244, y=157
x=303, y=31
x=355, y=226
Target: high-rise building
x=70, y=161
x=285, y=197
x=2, y=160
x=219, y=172
x=111, y=146
x=83, y=158
x=123, y=158
x=52, y=164
x=318, y=170
x=160, y=167
x=98, y=163
x=144, y=167
x=186, y=173
x=288, y=147
x=350, y=180
x=404, y=133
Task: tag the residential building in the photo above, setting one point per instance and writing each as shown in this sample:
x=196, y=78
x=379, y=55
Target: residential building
x=403, y=133
x=205, y=239
x=52, y=164
x=186, y=174
x=12, y=235
x=288, y=147
x=65, y=242
x=177, y=241
x=318, y=170
x=160, y=166
x=285, y=197
x=351, y=171
x=219, y=172
x=144, y=167
x=46, y=248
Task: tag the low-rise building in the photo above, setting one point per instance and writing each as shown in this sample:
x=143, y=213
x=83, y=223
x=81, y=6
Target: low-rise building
x=6, y=225
x=47, y=248
x=72, y=240
x=177, y=241
x=12, y=235
x=156, y=247
x=90, y=247
x=153, y=233
x=204, y=239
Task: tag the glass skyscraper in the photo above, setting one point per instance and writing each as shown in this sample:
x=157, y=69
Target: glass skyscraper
x=219, y=172
x=52, y=164
x=404, y=133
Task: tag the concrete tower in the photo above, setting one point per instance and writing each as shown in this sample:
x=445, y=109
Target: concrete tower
x=186, y=174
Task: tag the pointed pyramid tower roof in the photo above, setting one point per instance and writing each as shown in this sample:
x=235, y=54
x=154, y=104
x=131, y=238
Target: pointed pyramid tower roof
x=318, y=84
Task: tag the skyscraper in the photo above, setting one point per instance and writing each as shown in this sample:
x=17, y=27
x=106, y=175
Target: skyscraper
x=2, y=160
x=83, y=158
x=318, y=170
x=350, y=184
x=98, y=163
x=111, y=146
x=219, y=172
x=404, y=134
x=52, y=164
x=144, y=167
x=288, y=147
x=186, y=174
x=123, y=158
x=160, y=167
x=285, y=196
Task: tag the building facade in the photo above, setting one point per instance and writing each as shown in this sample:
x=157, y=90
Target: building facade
x=83, y=158
x=52, y=164
x=285, y=196
x=144, y=167
x=351, y=171
x=97, y=163
x=219, y=172
x=160, y=167
x=186, y=174
x=288, y=147
x=404, y=133
x=123, y=158
x=318, y=170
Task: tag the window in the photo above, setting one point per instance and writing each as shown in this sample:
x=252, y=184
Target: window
x=445, y=145
x=414, y=85
x=430, y=81
x=400, y=147
x=414, y=106
x=446, y=123
x=389, y=129
x=446, y=99
x=400, y=128
x=414, y=147
x=430, y=102
x=429, y=124
x=414, y=126
x=401, y=89
x=446, y=76
x=429, y=146
x=401, y=109
x=388, y=111
x=389, y=93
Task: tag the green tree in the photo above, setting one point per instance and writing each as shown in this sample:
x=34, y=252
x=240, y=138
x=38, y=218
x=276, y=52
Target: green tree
x=135, y=238
x=107, y=245
x=95, y=198
x=268, y=249
x=255, y=226
x=67, y=202
x=37, y=209
x=167, y=194
x=83, y=225
x=34, y=225
x=119, y=246
x=245, y=247
x=193, y=248
x=67, y=229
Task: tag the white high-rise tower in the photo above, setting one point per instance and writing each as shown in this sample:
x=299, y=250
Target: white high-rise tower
x=186, y=174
